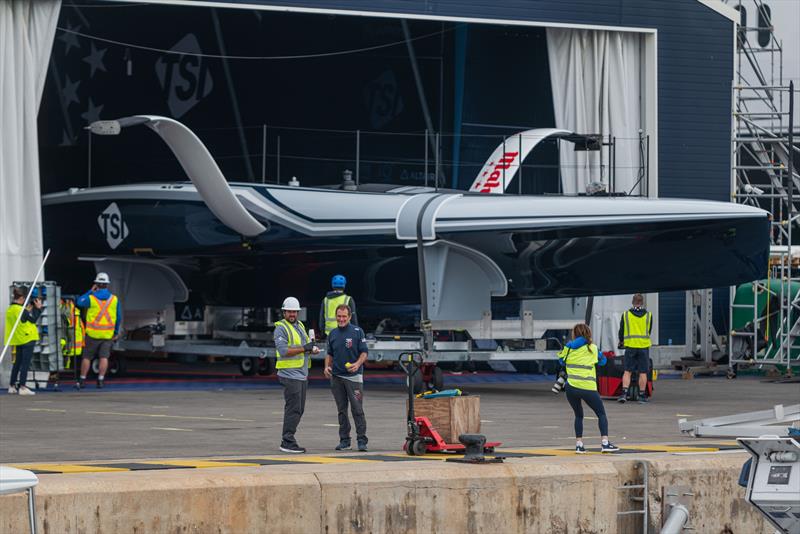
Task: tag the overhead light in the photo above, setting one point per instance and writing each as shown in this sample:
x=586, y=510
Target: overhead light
x=114, y=127
x=105, y=127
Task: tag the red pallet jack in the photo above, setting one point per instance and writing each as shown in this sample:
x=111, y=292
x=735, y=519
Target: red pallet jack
x=422, y=437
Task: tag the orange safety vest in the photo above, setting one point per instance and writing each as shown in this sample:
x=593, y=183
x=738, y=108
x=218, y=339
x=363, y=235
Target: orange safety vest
x=101, y=317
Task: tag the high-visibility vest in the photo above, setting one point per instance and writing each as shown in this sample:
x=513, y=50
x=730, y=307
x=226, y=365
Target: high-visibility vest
x=295, y=341
x=330, y=304
x=636, y=330
x=25, y=332
x=75, y=340
x=580, y=362
x=101, y=317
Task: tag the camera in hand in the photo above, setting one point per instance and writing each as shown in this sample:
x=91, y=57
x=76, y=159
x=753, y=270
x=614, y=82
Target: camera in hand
x=560, y=382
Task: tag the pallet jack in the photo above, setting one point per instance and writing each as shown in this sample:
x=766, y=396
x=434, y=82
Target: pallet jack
x=422, y=437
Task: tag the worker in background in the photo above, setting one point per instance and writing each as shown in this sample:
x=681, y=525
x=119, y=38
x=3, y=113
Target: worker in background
x=24, y=339
x=335, y=297
x=103, y=317
x=344, y=365
x=293, y=348
x=73, y=341
x=580, y=356
x=635, y=327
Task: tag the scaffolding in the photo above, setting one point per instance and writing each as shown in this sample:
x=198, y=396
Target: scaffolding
x=765, y=315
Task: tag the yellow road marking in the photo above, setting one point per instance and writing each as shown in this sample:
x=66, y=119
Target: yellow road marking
x=547, y=452
x=319, y=459
x=426, y=456
x=170, y=428
x=69, y=468
x=670, y=448
x=46, y=410
x=201, y=463
x=195, y=417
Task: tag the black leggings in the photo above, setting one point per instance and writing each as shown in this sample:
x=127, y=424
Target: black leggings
x=592, y=398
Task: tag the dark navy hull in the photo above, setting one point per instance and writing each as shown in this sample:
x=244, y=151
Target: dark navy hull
x=545, y=260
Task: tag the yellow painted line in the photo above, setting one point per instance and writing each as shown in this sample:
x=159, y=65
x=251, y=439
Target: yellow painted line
x=195, y=417
x=428, y=456
x=69, y=468
x=46, y=410
x=670, y=448
x=200, y=463
x=546, y=452
x=318, y=459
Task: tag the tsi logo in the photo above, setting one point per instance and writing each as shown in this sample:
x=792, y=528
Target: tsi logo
x=184, y=79
x=112, y=225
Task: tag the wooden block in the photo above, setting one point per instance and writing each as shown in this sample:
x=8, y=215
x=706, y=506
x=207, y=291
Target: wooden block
x=451, y=416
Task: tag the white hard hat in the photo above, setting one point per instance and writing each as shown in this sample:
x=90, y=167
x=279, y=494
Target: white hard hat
x=291, y=304
x=102, y=278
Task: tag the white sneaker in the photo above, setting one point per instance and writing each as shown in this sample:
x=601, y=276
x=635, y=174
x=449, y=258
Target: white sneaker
x=23, y=390
x=12, y=390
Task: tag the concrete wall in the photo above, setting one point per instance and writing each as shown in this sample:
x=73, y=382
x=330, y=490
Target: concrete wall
x=554, y=495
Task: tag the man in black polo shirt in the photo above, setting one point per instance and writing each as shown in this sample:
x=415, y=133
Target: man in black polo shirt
x=347, y=352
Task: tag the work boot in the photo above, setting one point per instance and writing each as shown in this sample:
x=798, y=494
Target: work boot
x=344, y=445
x=362, y=446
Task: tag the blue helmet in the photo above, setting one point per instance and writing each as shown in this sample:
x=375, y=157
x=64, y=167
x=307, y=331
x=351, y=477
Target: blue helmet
x=338, y=282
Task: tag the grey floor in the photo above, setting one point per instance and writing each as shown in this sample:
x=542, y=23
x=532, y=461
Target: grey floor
x=108, y=424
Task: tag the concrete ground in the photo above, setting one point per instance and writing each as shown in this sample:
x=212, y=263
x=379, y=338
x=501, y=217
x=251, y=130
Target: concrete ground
x=232, y=420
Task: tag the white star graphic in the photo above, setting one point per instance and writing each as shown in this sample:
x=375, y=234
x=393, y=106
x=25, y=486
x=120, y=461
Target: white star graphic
x=92, y=112
x=69, y=93
x=70, y=39
x=95, y=60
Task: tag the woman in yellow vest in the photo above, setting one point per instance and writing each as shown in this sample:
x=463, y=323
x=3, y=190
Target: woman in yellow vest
x=579, y=357
x=24, y=339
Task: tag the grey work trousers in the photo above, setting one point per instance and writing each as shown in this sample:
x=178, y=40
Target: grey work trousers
x=294, y=393
x=348, y=392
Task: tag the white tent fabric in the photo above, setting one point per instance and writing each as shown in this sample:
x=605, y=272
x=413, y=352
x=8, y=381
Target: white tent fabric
x=595, y=81
x=27, y=29
x=596, y=90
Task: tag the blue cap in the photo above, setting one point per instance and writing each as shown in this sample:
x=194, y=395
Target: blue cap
x=338, y=281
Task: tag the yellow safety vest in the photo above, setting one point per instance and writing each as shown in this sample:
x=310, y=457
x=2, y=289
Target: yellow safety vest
x=636, y=330
x=75, y=326
x=581, y=372
x=25, y=332
x=330, y=304
x=295, y=341
x=101, y=317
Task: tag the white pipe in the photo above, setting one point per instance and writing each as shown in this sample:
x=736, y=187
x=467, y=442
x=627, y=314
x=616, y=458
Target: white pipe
x=676, y=520
x=27, y=298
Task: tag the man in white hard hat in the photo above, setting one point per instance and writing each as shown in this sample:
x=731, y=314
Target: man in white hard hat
x=103, y=317
x=292, y=349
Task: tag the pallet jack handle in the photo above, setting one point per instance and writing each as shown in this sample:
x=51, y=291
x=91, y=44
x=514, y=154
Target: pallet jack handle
x=410, y=363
